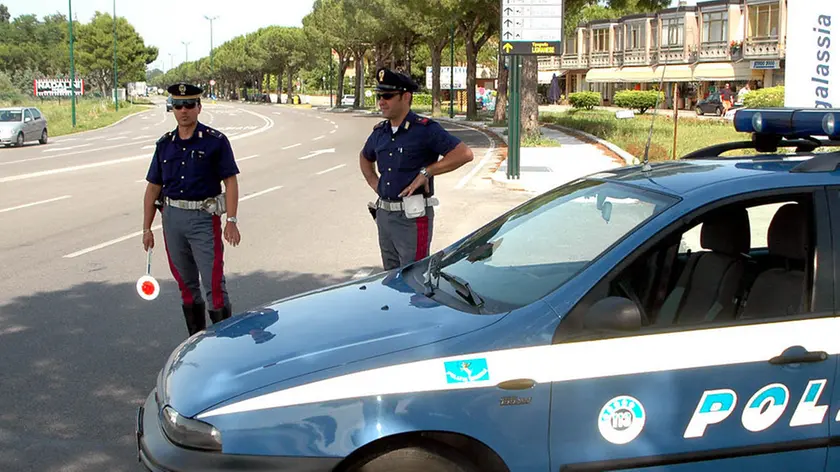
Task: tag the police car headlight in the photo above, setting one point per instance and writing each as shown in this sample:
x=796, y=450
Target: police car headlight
x=829, y=124
x=190, y=433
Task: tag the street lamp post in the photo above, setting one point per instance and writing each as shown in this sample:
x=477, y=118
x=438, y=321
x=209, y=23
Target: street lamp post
x=116, y=100
x=72, y=65
x=186, y=50
x=212, y=70
x=452, y=71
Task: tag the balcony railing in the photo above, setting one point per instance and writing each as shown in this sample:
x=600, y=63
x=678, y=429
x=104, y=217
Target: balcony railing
x=545, y=63
x=762, y=47
x=635, y=57
x=600, y=59
x=673, y=55
x=618, y=59
x=714, y=51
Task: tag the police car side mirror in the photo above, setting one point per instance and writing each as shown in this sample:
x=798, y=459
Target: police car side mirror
x=614, y=314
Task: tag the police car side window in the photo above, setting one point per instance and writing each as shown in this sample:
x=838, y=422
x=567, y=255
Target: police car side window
x=680, y=284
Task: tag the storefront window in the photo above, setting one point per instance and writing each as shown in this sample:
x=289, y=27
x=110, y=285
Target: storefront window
x=714, y=27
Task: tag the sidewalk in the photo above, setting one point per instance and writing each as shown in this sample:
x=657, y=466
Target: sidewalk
x=544, y=168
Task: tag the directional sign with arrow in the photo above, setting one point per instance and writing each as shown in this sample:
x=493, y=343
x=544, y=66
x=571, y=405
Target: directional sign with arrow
x=532, y=27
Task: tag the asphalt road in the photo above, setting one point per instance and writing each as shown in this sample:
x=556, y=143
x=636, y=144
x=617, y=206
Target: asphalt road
x=80, y=349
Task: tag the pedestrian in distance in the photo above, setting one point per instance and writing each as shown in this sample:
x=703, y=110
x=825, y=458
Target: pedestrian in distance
x=405, y=149
x=185, y=178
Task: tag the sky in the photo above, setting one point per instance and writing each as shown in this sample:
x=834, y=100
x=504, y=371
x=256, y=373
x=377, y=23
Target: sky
x=165, y=24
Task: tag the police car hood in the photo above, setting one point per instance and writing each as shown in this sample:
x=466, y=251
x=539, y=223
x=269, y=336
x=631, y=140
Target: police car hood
x=304, y=334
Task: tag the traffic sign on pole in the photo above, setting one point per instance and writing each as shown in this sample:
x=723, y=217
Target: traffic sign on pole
x=532, y=27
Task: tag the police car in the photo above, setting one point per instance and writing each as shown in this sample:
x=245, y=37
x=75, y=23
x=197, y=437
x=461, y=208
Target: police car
x=680, y=315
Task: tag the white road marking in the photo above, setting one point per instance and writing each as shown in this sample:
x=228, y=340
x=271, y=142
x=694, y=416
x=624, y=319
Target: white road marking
x=277, y=113
x=109, y=243
x=65, y=148
x=292, y=146
x=316, y=153
x=62, y=170
x=118, y=138
x=333, y=131
x=145, y=128
x=141, y=137
x=140, y=181
x=246, y=158
x=149, y=146
x=261, y=192
x=479, y=165
x=154, y=228
x=319, y=137
x=35, y=203
x=67, y=154
x=330, y=169
x=96, y=138
x=269, y=123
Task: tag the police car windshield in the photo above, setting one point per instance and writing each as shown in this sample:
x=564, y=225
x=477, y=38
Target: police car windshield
x=7, y=116
x=537, y=247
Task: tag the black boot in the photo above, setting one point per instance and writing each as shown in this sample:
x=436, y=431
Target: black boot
x=219, y=315
x=192, y=328
x=199, y=318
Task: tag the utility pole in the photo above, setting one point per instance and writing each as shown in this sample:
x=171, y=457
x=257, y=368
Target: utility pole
x=186, y=50
x=116, y=98
x=331, y=78
x=72, y=65
x=212, y=70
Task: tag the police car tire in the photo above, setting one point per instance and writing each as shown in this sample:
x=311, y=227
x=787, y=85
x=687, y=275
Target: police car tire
x=43, y=139
x=432, y=457
x=19, y=140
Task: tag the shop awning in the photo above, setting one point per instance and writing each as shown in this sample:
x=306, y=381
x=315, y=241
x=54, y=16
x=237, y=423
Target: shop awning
x=544, y=76
x=637, y=74
x=605, y=74
x=716, y=71
x=674, y=73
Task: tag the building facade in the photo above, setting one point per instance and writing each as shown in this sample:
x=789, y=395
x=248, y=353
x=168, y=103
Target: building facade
x=696, y=50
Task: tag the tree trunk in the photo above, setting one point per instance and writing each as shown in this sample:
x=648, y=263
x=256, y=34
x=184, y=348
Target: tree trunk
x=530, y=107
x=360, y=77
x=342, y=69
x=473, y=46
x=289, y=96
x=502, y=92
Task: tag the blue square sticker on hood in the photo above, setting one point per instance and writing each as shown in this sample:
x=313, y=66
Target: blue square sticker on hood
x=468, y=370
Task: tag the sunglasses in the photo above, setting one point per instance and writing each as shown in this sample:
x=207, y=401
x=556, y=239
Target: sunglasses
x=187, y=105
x=387, y=96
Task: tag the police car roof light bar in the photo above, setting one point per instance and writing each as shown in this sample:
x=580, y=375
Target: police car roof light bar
x=764, y=144
x=788, y=122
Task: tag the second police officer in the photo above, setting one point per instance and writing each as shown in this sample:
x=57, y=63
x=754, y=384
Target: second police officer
x=406, y=149
x=184, y=181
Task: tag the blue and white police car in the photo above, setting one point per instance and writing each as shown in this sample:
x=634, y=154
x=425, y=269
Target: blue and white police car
x=681, y=315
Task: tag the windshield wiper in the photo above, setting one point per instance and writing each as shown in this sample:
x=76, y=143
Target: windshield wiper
x=433, y=273
x=462, y=288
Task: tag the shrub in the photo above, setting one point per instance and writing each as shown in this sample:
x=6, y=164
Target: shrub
x=420, y=100
x=766, y=98
x=587, y=100
x=640, y=100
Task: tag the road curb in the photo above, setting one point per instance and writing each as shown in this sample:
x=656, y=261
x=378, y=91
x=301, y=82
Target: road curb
x=628, y=158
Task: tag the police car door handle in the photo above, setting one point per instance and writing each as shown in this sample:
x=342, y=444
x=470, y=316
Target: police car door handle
x=799, y=357
x=517, y=384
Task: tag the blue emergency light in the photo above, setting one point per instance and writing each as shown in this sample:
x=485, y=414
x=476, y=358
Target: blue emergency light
x=789, y=122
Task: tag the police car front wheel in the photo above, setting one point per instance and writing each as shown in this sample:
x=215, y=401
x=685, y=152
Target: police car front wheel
x=427, y=458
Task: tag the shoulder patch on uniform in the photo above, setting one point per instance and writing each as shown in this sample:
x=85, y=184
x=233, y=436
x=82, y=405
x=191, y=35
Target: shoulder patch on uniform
x=163, y=138
x=380, y=124
x=423, y=120
x=215, y=133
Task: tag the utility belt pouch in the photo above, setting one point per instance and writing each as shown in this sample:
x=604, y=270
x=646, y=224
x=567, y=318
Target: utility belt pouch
x=215, y=205
x=414, y=206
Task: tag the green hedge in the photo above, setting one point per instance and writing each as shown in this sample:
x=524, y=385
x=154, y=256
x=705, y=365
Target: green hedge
x=587, y=100
x=766, y=98
x=420, y=99
x=641, y=100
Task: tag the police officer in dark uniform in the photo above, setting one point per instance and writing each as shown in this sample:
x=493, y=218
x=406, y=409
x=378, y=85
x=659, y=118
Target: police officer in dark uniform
x=406, y=149
x=184, y=183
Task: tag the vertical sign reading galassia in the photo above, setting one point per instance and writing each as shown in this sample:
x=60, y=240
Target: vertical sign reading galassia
x=812, y=68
